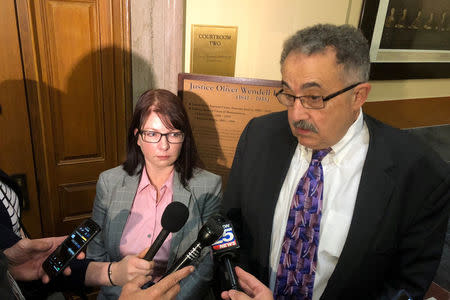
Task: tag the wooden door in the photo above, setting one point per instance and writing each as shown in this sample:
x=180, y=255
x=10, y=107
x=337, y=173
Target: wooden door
x=15, y=139
x=76, y=65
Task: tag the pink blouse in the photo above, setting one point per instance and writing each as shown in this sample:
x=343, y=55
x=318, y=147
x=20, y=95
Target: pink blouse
x=144, y=222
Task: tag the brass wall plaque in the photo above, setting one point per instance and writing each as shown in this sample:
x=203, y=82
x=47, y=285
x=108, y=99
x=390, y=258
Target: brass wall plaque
x=213, y=49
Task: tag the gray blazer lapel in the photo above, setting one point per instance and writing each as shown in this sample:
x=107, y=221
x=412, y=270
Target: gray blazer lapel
x=181, y=194
x=120, y=209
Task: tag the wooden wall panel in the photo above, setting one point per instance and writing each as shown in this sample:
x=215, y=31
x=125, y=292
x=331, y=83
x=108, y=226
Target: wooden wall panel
x=411, y=113
x=77, y=110
x=72, y=207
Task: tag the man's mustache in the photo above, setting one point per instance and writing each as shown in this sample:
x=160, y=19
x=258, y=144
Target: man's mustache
x=305, y=125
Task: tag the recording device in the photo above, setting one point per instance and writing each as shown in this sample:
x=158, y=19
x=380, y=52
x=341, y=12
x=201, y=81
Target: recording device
x=174, y=217
x=224, y=251
x=208, y=234
x=70, y=248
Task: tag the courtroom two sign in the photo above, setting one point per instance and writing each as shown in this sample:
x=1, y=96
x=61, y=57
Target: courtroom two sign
x=213, y=49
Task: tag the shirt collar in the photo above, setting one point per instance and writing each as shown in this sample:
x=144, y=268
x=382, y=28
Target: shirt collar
x=145, y=181
x=336, y=150
x=352, y=132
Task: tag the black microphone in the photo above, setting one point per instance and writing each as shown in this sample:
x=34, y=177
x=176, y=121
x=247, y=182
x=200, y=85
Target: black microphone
x=174, y=217
x=225, y=250
x=208, y=234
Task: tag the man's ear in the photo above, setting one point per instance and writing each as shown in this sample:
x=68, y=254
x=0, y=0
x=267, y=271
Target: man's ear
x=361, y=93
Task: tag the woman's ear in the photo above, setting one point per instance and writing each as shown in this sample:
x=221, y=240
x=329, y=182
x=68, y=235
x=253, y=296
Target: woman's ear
x=136, y=133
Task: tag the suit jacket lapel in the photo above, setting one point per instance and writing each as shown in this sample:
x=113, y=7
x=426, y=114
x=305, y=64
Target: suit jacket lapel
x=281, y=162
x=120, y=210
x=373, y=196
x=180, y=194
x=280, y=154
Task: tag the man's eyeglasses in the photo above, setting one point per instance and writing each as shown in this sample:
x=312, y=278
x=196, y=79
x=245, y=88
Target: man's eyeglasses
x=155, y=137
x=310, y=101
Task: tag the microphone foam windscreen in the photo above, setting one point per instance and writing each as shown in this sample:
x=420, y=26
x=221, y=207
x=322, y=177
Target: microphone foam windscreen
x=215, y=224
x=174, y=216
x=211, y=231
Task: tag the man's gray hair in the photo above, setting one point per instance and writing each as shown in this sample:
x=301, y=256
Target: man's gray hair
x=352, y=48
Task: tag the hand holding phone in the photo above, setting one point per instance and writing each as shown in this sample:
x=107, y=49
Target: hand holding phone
x=70, y=248
x=26, y=257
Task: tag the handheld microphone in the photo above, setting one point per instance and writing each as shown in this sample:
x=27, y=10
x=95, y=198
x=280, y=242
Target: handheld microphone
x=225, y=250
x=208, y=234
x=174, y=217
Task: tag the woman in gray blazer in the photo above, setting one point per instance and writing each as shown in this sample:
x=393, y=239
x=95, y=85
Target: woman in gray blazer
x=161, y=167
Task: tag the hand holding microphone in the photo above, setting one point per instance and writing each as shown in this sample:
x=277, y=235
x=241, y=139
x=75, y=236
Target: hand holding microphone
x=208, y=234
x=252, y=288
x=225, y=250
x=174, y=217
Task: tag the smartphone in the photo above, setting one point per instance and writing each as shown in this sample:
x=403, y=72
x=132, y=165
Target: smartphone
x=70, y=248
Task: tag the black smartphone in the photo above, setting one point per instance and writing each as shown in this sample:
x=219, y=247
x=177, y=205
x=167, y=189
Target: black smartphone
x=70, y=248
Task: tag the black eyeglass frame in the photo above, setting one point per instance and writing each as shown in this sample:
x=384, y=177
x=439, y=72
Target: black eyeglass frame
x=324, y=99
x=141, y=132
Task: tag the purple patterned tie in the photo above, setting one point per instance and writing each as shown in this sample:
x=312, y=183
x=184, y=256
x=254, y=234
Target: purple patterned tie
x=298, y=260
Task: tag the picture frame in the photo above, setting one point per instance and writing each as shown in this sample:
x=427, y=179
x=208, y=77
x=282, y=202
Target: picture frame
x=409, y=39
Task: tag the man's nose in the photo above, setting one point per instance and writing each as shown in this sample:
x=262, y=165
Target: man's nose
x=298, y=110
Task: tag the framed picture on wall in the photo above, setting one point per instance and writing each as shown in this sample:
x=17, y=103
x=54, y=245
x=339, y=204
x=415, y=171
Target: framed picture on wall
x=409, y=39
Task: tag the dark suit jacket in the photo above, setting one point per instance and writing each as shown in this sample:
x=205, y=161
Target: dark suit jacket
x=398, y=227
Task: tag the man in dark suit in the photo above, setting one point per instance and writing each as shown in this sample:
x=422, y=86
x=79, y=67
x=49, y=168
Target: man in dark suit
x=365, y=220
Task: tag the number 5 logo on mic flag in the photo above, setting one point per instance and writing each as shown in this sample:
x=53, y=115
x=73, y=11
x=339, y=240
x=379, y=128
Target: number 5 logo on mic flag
x=227, y=241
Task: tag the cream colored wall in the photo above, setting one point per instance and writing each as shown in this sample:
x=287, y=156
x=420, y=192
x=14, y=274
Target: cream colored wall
x=263, y=25
x=409, y=89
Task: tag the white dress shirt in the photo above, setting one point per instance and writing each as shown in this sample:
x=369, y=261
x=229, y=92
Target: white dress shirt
x=342, y=169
